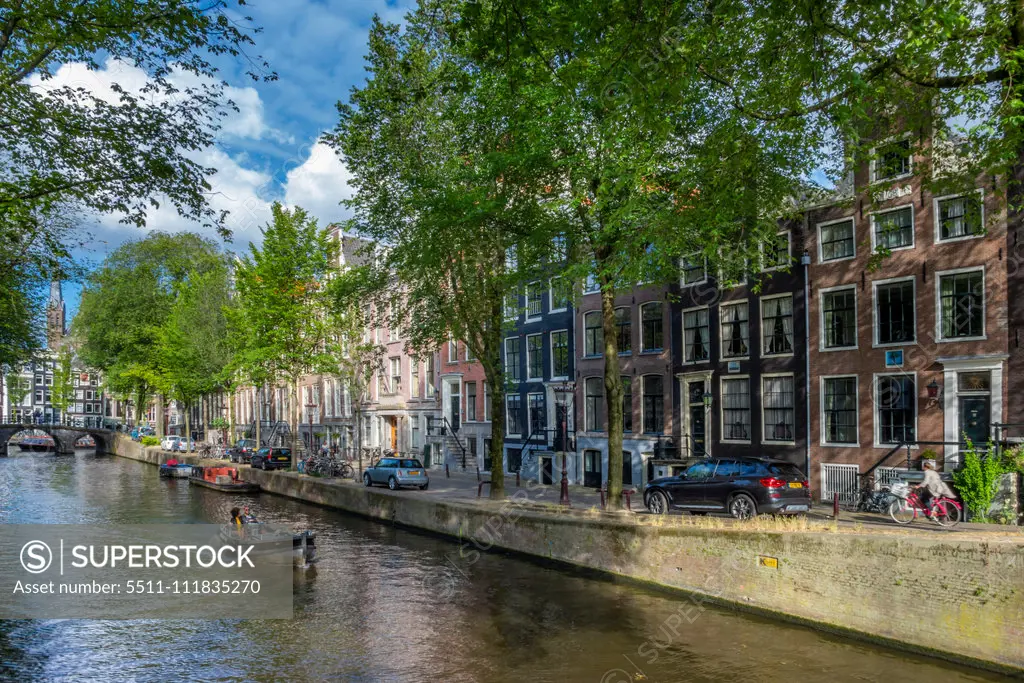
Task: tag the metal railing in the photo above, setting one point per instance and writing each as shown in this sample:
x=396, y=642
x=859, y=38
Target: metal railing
x=447, y=430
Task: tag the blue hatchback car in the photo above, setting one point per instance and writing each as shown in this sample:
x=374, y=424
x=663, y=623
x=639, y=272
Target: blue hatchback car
x=396, y=473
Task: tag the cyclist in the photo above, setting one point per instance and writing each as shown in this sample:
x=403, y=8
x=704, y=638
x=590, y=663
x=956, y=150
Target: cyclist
x=932, y=487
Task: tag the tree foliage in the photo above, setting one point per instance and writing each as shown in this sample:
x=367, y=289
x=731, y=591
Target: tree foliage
x=62, y=393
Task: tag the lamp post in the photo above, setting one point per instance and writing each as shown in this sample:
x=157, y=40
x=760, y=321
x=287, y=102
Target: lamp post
x=562, y=393
x=224, y=416
x=311, y=407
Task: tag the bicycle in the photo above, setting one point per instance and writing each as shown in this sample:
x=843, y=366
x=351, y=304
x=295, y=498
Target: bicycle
x=943, y=511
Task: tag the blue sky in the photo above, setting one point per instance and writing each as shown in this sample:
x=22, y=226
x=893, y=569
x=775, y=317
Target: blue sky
x=268, y=150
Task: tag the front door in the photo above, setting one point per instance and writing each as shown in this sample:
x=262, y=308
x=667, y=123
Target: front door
x=592, y=469
x=455, y=401
x=698, y=417
x=393, y=432
x=546, y=471
x=975, y=414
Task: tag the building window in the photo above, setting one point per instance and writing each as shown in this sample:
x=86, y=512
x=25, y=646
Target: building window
x=513, y=413
x=534, y=296
x=736, y=409
x=896, y=409
x=453, y=351
x=470, y=356
x=538, y=414
x=624, y=329
x=429, y=379
x=651, y=337
x=511, y=305
x=837, y=240
x=777, y=325
x=414, y=378
x=487, y=403
x=470, y=401
x=694, y=269
x=415, y=432
x=962, y=304
x=696, y=336
x=396, y=375
x=894, y=229
x=593, y=337
x=593, y=403
x=512, y=359
x=895, y=312
x=776, y=254
x=892, y=160
x=535, y=356
x=735, y=330
x=839, y=318
x=561, y=293
x=591, y=285
x=654, y=404
x=627, y=403
x=777, y=404
x=839, y=405
x=560, y=353
x=558, y=249
x=959, y=217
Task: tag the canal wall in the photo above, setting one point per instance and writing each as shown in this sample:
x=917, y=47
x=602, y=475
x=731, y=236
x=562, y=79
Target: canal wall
x=952, y=595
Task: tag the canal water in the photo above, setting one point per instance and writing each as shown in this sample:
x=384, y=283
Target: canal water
x=390, y=605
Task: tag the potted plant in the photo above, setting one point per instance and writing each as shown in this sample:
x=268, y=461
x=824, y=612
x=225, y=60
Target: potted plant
x=928, y=456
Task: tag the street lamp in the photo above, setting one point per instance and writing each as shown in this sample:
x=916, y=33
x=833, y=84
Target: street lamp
x=311, y=407
x=562, y=394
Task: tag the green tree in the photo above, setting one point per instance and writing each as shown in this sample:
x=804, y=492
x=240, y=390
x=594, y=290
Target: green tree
x=17, y=388
x=62, y=393
x=281, y=289
x=427, y=141
x=125, y=303
x=977, y=479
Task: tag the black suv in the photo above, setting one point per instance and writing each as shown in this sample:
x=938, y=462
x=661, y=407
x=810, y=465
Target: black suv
x=242, y=451
x=741, y=486
x=271, y=459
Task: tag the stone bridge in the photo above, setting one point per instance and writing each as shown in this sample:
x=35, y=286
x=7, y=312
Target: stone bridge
x=64, y=436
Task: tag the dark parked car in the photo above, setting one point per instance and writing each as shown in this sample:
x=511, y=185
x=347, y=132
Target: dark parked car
x=272, y=458
x=242, y=450
x=743, y=487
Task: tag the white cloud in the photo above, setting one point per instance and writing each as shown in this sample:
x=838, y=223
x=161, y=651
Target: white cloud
x=319, y=184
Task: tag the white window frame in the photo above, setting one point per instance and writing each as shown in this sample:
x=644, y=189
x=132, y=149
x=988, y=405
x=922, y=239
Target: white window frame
x=551, y=296
x=938, y=304
x=510, y=307
x=453, y=351
x=721, y=337
x=821, y=411
x=856, y=319
x=529, y=419
x=760, y=324
x=721, y=407
x=530, y=377
x=665, y=416
x=764, y=426
x=504, y=359
x=540, y=301
x=682, y=275
x=551, y=351
x=938, y=223
x=873, y=170
x=876, y=423
x=604, y=405
x=508, y=397
x=589, y=288
x=598, y=353
x=893, y=209
x=875, y=344
x=682, y=330
x=821, y=253
x=640, y=311
x=789, y=253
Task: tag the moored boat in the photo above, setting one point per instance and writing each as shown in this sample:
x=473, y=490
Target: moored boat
x=175, y=470
x=268, y=538
x=221, y=479
x=37, y=444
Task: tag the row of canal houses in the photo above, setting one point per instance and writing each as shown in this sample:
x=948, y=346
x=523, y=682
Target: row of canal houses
x=830, y=357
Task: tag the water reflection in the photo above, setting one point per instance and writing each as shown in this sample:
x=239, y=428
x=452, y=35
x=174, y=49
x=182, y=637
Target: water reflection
x=390, y=605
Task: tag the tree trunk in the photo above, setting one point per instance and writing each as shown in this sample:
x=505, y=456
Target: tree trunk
x=613, y=395
x=188, y=428
x=293, y=416
x=230, y=398
x=494, y=371
x=358, y=431
x=160, y=426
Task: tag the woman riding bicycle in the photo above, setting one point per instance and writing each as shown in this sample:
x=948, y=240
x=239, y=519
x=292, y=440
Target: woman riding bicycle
x=932, y=486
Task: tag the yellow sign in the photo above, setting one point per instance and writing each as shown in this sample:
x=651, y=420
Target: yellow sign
x=770, y=562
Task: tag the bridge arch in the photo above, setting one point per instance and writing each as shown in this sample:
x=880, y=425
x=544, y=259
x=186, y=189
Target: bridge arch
x=64, y=437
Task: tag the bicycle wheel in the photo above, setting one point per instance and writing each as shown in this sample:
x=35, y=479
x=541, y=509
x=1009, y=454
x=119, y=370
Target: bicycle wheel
x=946, y=513
x=902, y=511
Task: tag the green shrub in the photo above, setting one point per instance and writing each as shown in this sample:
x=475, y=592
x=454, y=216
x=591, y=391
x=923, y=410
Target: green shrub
x=1013, y=459
x=150, y=441
x=976, y=480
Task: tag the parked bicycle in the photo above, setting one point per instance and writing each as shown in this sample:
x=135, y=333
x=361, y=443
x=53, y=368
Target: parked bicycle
x=875, y=501
x=904, y=508
x=323, y=464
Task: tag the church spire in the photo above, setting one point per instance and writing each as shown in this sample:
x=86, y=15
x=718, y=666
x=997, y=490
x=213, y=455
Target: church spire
x=55, y=317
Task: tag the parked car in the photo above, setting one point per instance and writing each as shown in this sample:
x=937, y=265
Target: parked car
x=396, y=473
x=173, y=444
x=742, y=486
x=242, y=450
x=272, y=458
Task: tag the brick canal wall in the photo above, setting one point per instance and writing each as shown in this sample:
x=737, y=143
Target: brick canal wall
x=954, y=595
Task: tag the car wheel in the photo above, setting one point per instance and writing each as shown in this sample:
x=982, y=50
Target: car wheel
x=392, y=483
x=263, y=466
x=742, y=506
x=657, y=503
x=424, y=487
x=366, y=479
